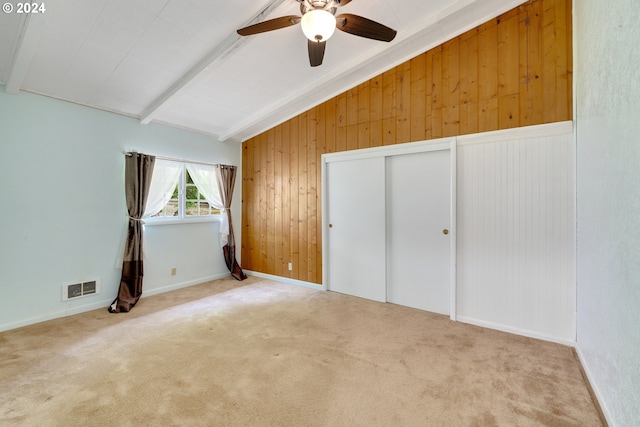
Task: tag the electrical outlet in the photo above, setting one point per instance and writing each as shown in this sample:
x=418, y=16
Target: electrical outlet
x=173, y=271
x=290, y=266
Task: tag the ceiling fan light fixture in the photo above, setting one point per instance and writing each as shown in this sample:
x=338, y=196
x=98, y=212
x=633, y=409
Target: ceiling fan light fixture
x=318, y=25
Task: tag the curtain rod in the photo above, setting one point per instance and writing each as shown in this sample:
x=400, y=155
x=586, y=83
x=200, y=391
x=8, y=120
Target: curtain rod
x=173, y=159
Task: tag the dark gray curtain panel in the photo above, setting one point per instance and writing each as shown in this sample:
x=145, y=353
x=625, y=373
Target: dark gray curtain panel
x=226, y=180
x=138, y=172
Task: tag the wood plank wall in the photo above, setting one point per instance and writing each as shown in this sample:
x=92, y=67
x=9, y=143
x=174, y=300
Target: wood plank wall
x=515, y=70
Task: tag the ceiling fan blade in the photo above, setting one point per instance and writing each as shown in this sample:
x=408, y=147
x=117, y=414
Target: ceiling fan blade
x=316, y=52
x=270, y=25
x=363, y=27
x=342, y=2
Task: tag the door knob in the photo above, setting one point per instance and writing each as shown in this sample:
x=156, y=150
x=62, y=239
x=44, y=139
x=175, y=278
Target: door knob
x=445, y=231
x=330, y=225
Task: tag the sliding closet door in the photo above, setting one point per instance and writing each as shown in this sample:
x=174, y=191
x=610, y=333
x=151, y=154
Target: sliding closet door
x=418, y=209
x=356, y=221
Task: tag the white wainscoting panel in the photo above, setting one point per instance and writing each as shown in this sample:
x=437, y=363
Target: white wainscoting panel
x=516, y=234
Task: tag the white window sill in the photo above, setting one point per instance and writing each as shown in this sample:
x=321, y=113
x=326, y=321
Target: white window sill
x=175, y=221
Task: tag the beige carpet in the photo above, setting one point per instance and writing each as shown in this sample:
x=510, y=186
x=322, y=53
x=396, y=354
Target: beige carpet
x=258, y=352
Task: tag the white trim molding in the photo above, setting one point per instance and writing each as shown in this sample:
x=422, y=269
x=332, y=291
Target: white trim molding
x=594, y=387
x=285, y=280
x=526, y=132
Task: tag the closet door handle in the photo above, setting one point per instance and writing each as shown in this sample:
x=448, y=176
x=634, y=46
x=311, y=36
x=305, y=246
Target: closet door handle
x=330, y=225
x=445, y=231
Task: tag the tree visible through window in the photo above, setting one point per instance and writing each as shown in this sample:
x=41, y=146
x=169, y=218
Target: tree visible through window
x=171, y=208
x=186, y=201
x=195, y=201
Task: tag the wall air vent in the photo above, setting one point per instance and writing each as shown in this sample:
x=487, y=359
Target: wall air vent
x=80, y=289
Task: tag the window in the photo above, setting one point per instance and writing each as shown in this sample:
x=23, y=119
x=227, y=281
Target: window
x=196, y=203
x=175, y=195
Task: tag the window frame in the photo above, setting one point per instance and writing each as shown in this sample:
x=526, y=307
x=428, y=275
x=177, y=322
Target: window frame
x=182, y=218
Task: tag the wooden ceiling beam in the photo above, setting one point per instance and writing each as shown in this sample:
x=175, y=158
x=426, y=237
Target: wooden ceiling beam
x=229, y=44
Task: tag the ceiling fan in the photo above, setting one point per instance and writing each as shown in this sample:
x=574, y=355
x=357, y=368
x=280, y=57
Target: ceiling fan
x=318, y=22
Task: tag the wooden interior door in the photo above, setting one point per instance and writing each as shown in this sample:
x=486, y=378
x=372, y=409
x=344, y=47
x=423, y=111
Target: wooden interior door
x=356, y=221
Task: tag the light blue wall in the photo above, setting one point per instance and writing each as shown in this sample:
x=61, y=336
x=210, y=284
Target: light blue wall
x=608, y=202
x=63, y=216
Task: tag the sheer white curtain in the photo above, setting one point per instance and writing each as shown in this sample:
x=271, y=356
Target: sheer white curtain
x=204, y=177
x=163, y=182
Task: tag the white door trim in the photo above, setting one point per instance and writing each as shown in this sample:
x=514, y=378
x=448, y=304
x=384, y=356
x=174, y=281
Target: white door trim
x=386, y=151
x=453, y=244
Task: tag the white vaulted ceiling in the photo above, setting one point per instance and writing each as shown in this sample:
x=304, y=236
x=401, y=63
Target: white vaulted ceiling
x=180, y=62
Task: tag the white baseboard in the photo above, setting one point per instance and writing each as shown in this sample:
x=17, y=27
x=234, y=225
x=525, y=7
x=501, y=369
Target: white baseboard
x=517, y=331
x=463, y=319
x=286, y=280
x=103, y=303
x=175, y=286
x=70, y=311
x=594, y=387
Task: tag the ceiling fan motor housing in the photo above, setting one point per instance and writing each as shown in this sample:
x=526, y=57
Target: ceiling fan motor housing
x=319, y=21
x=307, y=5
